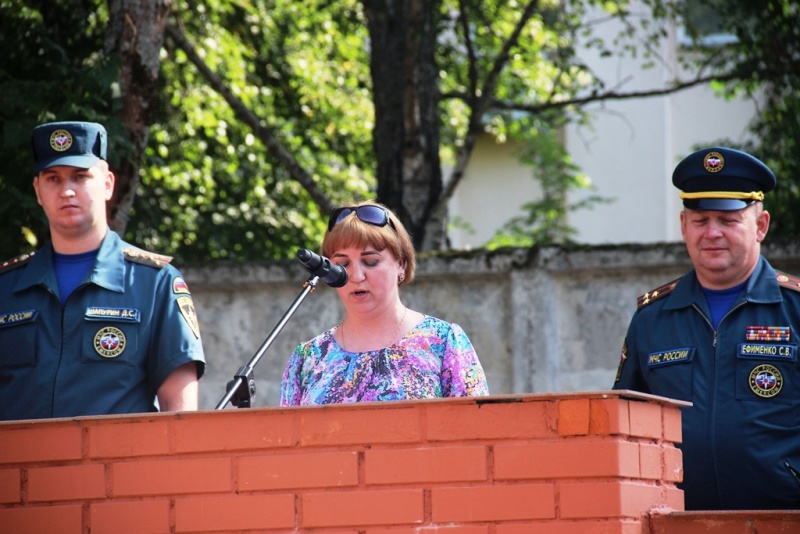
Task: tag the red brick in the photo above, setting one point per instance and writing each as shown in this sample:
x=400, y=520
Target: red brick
x=129, y=517
x=362, y=508
x=727, y=522
x=608, y=499
x=609, y=416
x=371, y=423
x=575, y=527
x=574, y=417
x=674, y=498
x=673, y=465
x=10, y=485
x=495, y=420
x=650, y=460
x=646, y=420
x=40, y=442
x=673, y=431
x=311, y=470
x=169, y=477
x=231, y=430
x=41, y=519
x=450, y=529
x=140, y=438
x=439, y=464
x=493, y=503
x=65, y=483
x=566, y=459
x=233, y=513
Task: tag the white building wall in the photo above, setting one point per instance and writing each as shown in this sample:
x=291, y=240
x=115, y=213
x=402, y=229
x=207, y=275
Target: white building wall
x=628, y=153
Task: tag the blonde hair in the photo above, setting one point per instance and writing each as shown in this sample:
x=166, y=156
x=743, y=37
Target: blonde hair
x=353, y=232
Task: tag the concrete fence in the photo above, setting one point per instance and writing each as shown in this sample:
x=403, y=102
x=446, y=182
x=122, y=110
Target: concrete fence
x=543, y=320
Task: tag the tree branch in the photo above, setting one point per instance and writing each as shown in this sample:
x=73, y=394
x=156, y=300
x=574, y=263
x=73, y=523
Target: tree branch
x=479, y=105
x=598, y=96
x=264, y=133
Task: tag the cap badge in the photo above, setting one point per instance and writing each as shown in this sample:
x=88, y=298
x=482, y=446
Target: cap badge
x=713, y=162
x=61, y=140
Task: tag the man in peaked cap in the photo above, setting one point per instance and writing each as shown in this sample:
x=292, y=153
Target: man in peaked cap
x=89, y=324
x=725, y=337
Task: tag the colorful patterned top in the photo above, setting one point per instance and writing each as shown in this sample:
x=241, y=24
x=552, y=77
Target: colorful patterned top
x=435, y=359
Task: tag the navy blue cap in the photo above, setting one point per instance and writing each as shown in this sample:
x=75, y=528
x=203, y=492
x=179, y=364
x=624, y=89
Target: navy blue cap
x=77, y=144
x=722, y=179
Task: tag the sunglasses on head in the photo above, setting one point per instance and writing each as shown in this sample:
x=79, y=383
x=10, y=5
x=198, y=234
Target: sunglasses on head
x=374, y=215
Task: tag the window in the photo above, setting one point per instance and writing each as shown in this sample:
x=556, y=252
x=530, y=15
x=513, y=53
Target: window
x=704, y=22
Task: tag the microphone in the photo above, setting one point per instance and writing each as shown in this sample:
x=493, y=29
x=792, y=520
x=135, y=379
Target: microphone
x=334, y=275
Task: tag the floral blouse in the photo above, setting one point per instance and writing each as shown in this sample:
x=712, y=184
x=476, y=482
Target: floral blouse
x=435, y=359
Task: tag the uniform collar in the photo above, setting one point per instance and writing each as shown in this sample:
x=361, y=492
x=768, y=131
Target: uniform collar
x=762, y=288
x=108, y=270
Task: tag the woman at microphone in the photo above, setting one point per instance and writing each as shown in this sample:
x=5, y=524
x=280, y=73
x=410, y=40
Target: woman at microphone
x=382, y=350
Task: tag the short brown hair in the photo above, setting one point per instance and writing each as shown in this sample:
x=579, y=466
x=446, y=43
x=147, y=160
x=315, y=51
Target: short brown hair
x=353, y=232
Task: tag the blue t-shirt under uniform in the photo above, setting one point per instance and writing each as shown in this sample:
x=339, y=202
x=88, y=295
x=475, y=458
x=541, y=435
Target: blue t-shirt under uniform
x=720, y=301
x=71, y=269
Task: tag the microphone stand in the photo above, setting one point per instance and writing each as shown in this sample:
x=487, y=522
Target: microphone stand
x=241, y=391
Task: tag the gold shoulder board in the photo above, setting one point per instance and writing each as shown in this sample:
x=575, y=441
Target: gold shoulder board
x=656, y=294
x=138, y=255
x=788, y=281
x=13, y=263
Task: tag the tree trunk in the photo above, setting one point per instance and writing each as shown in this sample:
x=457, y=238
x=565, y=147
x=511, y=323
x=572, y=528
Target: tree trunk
x=406, y=96
x=136, y=34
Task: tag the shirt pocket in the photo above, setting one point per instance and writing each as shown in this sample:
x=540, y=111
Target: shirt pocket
x=767, y=372
x=669, y=372
x=110, y=335
x=18, y=338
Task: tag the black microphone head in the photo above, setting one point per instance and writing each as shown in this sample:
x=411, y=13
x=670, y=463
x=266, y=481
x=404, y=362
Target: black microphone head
x=337, y=277
x=308, y=258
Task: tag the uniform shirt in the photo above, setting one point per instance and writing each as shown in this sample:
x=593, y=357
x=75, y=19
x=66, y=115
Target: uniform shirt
x=741, y=436
x=107, y=349
x=435, y=359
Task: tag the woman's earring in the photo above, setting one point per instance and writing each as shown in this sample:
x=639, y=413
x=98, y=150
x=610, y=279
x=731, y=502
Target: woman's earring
x=401, y=278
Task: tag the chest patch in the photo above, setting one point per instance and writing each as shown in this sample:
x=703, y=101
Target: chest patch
x=109, y=342
x=669, y=357
x=766, y=380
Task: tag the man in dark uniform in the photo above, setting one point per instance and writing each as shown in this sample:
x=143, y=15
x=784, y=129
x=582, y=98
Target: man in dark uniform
x=89, y=324
x=725, y=337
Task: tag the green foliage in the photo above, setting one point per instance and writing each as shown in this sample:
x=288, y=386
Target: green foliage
x=52, y=68
x=209, y=188
x=765, y=55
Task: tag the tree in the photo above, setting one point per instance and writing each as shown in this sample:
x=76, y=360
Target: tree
x=267, y=113
x=764, y=58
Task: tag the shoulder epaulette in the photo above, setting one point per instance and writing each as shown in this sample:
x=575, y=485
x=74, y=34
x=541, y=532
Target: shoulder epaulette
x=13, y=263
x=788, y=281
x=657, y=293
x=138, y=255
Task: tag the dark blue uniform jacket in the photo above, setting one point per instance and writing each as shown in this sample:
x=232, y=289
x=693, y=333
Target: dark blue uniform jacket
x=111, y=345
x=741, y=436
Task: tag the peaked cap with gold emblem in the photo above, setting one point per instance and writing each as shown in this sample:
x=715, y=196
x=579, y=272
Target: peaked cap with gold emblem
x=722, y=179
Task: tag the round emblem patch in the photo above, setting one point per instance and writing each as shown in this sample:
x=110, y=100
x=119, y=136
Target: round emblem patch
x=766, y=380
x=109, y=342
x=713, y=162
x=61, y=140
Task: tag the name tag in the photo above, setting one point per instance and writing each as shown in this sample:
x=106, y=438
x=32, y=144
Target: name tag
x=9, y=319
x=117, y=314
x=771, y=351
x=668, y=357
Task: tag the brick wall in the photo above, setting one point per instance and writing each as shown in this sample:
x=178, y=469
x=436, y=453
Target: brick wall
x=586, y=463
x=589, y=463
